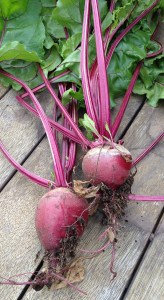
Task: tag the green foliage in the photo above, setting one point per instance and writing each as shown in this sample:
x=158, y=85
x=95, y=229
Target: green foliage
x=151, y=81
x=52, y=60
x=35, y=32
x=70, y=93
x=15, y=50
x=128, y=53
x=70, y=45
x=89, y=125
x=68, y=15
x=12, y=8
x=26, y=29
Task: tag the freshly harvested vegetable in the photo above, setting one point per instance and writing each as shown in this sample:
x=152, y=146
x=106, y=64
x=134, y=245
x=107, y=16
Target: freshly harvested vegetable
x=111, y=171
x=107, y=164
x=60, y=213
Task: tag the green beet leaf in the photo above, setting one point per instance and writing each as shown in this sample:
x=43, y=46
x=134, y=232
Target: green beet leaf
x=70, y=93
x=23, y=36
x=12, y=8
x=16, y=50
x=89, y=125
x=26, y=71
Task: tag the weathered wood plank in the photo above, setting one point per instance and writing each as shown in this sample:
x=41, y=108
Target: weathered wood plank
x=3, y=90
x=133, y=105
x=19, y=130
x=11, y=227
x=149, y=281
x=18, y=262
x=133, y=234
x=18, y=241
x=97, y=282
x=147, y=126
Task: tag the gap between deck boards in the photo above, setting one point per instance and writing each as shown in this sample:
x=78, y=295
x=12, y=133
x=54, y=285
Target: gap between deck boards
x=21, y=163
x=142, y=255
x=23, y=292
x=4, y=91
x=7, y=180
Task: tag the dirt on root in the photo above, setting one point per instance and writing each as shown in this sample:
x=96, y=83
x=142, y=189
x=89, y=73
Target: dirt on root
x=66, y=250
x=114, y=202
x=57, y=261
x=62, y=261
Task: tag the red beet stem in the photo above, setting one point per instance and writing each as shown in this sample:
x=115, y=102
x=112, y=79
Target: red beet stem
x=88, y=96
x=68, y=133
x=63, y=110
x=102, y=74
x=125, y=101
x=59, y=174
x=134, y=197
x=33, y=177
x=41, y=86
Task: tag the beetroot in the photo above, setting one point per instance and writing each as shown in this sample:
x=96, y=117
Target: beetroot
x=108, y=166
x=58, y=210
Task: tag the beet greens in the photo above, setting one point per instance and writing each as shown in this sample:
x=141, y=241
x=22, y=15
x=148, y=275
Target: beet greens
x=83, y=56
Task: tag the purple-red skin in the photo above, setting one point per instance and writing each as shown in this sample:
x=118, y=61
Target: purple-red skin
x=106, y=165
x=56, y=212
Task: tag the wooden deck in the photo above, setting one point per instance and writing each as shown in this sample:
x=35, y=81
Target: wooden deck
x=139, y=254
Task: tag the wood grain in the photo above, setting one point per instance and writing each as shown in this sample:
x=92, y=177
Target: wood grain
x=149, y=281
x=18, y=241
x=3, y=90
x=133, y=105
x=135, y=229
x=19, y=130
x=147, y=126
